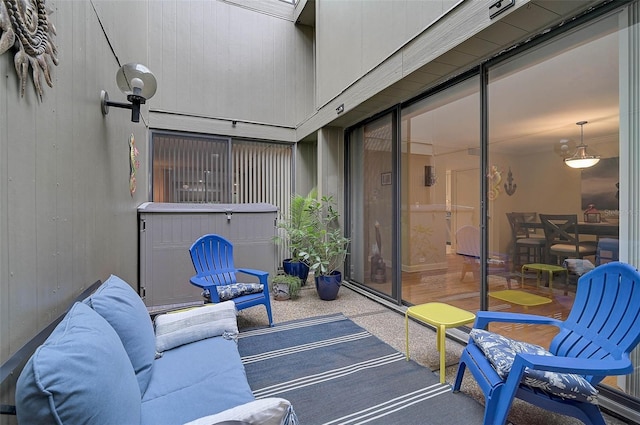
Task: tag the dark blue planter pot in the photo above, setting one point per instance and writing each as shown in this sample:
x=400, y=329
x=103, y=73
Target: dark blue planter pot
x=296, y=268
x=328, y=286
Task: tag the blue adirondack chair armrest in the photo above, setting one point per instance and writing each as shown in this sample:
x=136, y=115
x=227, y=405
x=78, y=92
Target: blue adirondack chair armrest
x=201, y=282
x=483, y=318
x=580, y=366
x=262, y=276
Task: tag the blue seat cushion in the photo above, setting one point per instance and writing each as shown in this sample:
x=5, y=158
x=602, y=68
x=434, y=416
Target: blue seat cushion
x=501, y=352
x=80, y=375
x=122, y=307
x=235, y=290
x=180, y=391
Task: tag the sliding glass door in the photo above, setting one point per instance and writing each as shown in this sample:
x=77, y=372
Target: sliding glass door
x=371, y=194
x=440, y=203
x=485, y=163
x=546, y=106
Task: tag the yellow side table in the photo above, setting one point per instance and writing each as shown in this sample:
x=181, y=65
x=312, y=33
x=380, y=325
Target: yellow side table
x=541, y=268
x=522, y=298
x=442, y=316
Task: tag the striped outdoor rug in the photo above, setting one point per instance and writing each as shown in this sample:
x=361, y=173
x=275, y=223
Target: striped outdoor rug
x=335, y=372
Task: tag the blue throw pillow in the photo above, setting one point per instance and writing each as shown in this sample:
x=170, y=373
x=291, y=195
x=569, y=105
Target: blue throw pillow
x=235, y=290
x=501, y=352
x=80, y=375
x=116, y=301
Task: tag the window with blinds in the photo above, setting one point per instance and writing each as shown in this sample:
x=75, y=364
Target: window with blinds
x=208, y=169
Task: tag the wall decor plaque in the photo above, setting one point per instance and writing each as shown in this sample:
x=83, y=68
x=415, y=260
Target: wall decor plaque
x=25, y=26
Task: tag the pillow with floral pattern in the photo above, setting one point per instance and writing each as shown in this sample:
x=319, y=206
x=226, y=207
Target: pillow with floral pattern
x=501, y=352
x=235, y=290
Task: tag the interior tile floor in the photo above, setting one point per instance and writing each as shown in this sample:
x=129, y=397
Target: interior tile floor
x=388, y=325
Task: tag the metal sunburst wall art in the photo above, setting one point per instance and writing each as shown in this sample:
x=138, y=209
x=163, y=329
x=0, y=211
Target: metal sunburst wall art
x=25, y=27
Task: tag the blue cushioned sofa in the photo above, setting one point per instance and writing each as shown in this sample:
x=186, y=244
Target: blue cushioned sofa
x=100, y=365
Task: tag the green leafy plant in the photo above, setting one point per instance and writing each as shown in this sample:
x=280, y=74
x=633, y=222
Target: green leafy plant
x=295, y=225
x=324, y=246
x=293, y=284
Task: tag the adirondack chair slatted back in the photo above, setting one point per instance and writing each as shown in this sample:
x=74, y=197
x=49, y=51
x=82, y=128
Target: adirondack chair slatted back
x=212, y=257
x=604, y=321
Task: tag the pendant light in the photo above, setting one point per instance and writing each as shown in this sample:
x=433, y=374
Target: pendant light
x=581, y=159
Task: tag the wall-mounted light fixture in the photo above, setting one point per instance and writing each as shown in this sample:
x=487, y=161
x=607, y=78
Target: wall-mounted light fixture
x=430, y=177
x=581, y=159
x=137, y=83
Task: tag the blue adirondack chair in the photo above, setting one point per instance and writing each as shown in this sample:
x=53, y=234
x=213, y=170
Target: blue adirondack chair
x=212, y=257
x=595, y=340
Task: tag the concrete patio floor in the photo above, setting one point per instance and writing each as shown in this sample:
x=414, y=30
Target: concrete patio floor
x=388, y=325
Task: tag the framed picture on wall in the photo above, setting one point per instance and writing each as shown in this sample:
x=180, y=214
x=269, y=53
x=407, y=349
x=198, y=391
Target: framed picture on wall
x=600, y=184
x=385, y=179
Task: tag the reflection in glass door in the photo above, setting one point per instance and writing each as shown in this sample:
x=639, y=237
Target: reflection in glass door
x=440, y=206
x=530, y=180
x=371, y=198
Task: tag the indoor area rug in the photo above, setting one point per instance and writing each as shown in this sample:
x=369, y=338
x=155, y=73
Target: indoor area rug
x=335, y=372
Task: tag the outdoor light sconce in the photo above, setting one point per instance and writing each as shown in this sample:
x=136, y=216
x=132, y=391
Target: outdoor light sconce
x=137, y=83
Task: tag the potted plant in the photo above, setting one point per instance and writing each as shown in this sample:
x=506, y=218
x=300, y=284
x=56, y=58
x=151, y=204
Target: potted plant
x=325, y=246
x=295, y=227
x=284, y=287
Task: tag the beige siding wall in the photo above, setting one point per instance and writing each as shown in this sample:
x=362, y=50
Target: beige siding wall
x=66, y=215
x=219, y=61
x=355, y=36
x=67, y=218
x=372, y=55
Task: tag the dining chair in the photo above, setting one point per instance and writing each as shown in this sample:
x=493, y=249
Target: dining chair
x=468, y=246
x=212, y=257
x=563, y=239
x=608, y=250
x=526, y=245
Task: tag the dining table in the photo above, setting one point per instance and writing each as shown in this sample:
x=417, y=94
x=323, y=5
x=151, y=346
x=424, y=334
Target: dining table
x=602, y=228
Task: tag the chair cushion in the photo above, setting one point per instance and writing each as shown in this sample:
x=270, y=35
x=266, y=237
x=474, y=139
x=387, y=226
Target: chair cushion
x=501, y=352
x=122, y=307
x=80, y=375
x=583, y=249
x=235, y=290
x=533, y=242
x=186, y=326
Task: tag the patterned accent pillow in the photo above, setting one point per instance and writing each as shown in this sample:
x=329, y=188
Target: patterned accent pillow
x=235, y=290
x=501, y=352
